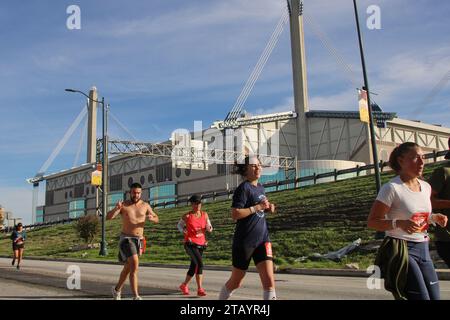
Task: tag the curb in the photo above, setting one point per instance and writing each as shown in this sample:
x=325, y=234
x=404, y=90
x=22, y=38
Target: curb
x=443, y=274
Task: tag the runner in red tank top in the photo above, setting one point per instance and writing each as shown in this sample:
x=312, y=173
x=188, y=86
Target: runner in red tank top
x=193, y=225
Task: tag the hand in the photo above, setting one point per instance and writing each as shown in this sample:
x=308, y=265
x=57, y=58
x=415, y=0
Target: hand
x=264, y=205
x=409, y=226
x=272, y=208
x=440, y=219
x=209, y=228
x=119, y=205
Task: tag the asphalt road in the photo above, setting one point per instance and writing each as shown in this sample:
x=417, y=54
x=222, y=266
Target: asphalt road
x=49, y=280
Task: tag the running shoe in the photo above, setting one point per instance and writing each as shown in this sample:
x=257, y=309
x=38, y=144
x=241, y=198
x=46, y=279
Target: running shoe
x=13, y=262
x=201, y=292
x=117, y=295
x=18, y=267
x=184, y=289
x=137, y=298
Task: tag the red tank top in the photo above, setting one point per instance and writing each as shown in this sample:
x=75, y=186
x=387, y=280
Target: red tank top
x=195, y=229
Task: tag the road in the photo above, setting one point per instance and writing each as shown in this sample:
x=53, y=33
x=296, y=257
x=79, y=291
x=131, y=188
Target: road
x=49, y=279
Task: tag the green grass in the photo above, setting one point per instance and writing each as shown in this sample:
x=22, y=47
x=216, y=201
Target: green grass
x=313, y=219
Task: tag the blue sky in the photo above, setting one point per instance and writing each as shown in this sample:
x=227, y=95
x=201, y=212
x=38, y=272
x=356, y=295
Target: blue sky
x=163, y=64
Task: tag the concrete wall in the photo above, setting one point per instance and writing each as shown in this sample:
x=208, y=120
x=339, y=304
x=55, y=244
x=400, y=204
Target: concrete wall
x=338, y=139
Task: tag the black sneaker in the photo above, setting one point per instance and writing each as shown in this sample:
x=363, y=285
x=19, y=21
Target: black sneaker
x=13, y=262
x=18, y=267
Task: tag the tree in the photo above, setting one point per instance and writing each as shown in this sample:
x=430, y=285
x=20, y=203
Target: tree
x=88, y=227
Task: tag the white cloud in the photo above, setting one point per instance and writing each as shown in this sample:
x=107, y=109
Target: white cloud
x=198, y=17
x=407, y=79
x=286, y=105
x=412, y=70
x=344, y=101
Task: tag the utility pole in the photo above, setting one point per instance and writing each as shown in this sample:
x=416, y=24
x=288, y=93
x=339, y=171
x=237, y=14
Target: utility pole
x=105, y=178
x=378, y=234
x=366, y=85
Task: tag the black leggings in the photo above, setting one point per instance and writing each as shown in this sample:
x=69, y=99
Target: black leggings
x=422, y=283
x=195, y=252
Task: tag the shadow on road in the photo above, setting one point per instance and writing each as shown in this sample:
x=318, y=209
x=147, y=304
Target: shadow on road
x=89, y=288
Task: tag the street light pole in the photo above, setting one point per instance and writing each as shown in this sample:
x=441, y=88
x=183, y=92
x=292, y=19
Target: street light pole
x=105, y=178
x=378, y=234
x=366, y=85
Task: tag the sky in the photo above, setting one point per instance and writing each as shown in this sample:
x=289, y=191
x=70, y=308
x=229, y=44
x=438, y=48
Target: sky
x=162, y=64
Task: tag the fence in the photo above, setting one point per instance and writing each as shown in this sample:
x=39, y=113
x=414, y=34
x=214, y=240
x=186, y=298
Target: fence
x=40, y=225
x=293, y=182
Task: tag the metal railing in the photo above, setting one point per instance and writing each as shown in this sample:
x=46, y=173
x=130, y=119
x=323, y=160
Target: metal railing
x=278, y=183
x=41, y=225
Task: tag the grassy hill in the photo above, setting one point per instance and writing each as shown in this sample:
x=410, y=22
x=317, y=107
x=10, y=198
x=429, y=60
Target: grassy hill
x=313, y=219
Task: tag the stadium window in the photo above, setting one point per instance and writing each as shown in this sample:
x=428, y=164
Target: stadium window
x=78, y=190
x=164, y=173
x=115, y=182
x=49, y=198
x=221, y=169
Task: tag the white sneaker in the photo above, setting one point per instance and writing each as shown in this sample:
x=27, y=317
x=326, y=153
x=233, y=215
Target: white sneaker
x=117, y=295
x=137, y=298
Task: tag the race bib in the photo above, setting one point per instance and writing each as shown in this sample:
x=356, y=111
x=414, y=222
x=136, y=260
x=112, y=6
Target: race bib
x=422, y=219
x=268, y=249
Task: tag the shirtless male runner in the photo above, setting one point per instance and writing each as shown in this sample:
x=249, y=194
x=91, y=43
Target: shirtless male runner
x=134, y=212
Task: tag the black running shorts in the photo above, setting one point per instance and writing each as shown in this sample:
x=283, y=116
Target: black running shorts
x=18, y=246
x=243, y=255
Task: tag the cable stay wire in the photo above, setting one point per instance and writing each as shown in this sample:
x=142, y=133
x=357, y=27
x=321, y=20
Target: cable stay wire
x=121, y=125
x=327, y=44
x=80, y=145
x=432, y=94
x=63, y=141
x=256, y=72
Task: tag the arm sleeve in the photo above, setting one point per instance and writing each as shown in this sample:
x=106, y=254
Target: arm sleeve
x=239, y=198
x=181, y=224
x=386, y=194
